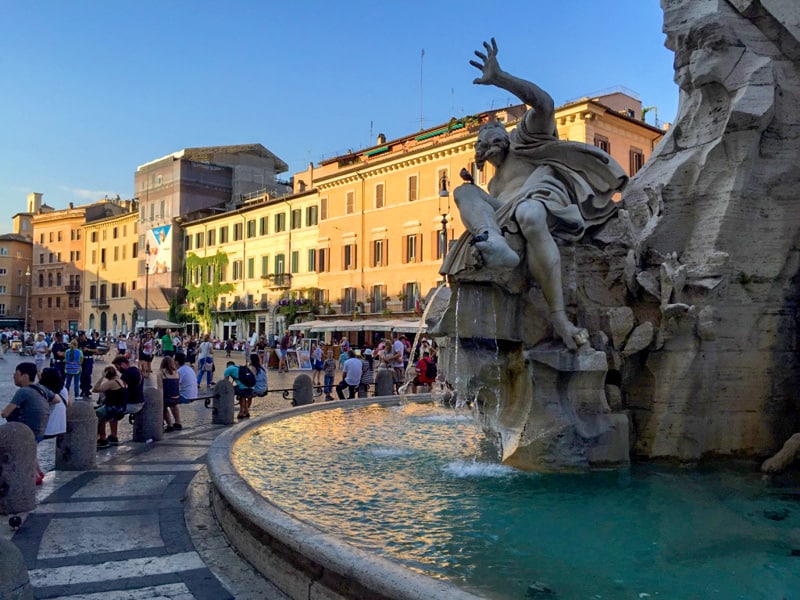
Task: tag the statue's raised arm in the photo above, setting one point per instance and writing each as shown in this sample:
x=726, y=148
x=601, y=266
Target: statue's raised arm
x=541, y=118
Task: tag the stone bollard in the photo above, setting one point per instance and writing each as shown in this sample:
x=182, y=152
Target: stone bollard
x=222, y=404
x=17, y=469
x=76, y=450
x=14, y=581
x=302, y=390
x=384, y=383
x=148, y=423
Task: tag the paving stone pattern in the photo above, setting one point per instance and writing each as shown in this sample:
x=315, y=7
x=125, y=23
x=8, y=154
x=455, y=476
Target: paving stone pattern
x=140, y=525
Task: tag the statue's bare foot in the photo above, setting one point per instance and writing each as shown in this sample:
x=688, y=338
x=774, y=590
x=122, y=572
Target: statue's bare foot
x=572, y=336
x=494, y=250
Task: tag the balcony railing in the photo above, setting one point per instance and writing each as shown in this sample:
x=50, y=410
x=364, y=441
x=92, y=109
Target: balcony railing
x=278, y=280
x=72, y=288
x=101, y=302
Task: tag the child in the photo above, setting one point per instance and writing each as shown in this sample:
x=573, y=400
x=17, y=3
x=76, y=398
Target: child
x=329, y=366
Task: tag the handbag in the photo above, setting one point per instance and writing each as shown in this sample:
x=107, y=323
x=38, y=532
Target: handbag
x=208, y=366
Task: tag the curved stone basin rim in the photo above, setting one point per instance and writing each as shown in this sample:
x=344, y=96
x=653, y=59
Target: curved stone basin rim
x=248, y=519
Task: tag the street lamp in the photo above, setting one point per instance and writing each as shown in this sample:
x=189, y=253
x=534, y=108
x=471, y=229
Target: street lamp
x=444, y=193
x=146, y=280
x=27, y=300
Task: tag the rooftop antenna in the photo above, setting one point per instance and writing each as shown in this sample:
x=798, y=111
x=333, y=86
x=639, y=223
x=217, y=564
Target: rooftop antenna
x=421, y=58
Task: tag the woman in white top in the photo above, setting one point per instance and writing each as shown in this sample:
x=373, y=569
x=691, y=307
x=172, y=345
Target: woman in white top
x=40, y=353
x=205, y=361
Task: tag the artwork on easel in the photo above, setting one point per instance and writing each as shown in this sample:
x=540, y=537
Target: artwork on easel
x=291, y=359
x=305, y=359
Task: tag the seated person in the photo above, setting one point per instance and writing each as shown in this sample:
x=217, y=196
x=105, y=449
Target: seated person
x=112, y=408
x=426, y=371
x=351, y=375
x=243, y=391
x=188, y=384
x=260, y=388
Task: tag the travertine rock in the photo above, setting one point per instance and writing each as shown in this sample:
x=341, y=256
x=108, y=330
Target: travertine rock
x=717, y=208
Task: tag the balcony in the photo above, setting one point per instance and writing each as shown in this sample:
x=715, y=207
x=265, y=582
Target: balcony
x=278, y=280
x=101, y=302
x=72, y=288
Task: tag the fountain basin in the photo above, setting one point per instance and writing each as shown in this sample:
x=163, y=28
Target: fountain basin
x=303, y=561
x=688, y=532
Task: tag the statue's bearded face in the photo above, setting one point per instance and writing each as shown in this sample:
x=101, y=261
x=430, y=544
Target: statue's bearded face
x=492, y=146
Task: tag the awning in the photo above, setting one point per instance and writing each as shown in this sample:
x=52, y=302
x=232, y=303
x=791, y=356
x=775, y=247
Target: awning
x=319, y=325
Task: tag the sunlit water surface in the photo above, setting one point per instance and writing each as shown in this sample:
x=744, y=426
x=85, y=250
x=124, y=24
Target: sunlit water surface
x=417, y=484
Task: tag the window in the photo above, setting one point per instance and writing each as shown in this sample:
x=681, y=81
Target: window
x=134, y=250
x=51, y=257
x=161, y=209
x=295, y=266
x=251, y=228
x=3, y=271
x=280, y=222
x=102, y=256
x=59, y=236
x=280, y=261
x=41, y=258
x=3, y=289
x=211, y=234
x=311, y=216
x=237, y=270
x=350, y=203
x=411, y=292
x=153, y=211
x=115, y=290
x=94, y=237
x=251, y=264
x=323, y=209
x=49, y=280
x=58, y=279
x=602, y=142
x=41, y=280
x=58, y=301
x=116, y=253
x=122, y=289
x=58, y=256
x=412, y=188
x=41, y=238
x=223, y=235
x=379, y=253
x=265, y=265
x=349, y=299
x=324, y=260
x=115, y=233
x=349, y=257
x=379, y=195
x=636, y=160
x=198, y=240
x=413, y=248
x=78, y=256
x=295, y=218
x=51, y=236
x=187, y=243
x=237, y=232
x=378, y=298
x=312, y=260
x=3, y=251
x=2, y=309
x=105, y=234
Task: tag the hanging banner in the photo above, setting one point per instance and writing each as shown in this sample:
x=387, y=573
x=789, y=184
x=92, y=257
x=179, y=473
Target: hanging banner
x=160, y=242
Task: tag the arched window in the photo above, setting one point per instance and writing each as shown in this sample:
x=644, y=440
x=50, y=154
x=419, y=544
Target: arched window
x=114, y=325
x=41, y=280
x=91, y=322
x=103, y=322
x=50, y=280
x=58, y=279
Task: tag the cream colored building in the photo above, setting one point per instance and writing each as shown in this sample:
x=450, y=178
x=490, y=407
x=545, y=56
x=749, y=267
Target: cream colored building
x=110, y=248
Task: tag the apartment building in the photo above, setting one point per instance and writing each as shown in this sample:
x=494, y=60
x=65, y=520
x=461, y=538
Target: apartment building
x=189, y=184
x=15, y=280
x=111, y=258
x=367, y=231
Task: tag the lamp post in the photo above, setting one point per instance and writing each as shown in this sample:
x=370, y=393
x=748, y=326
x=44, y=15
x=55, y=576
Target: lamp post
x=27, y=300
x=444, y=193
x=146, y=280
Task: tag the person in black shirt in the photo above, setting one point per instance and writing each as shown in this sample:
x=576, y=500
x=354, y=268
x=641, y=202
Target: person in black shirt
x=89, y=348
x=58, y=352
x=132, y=378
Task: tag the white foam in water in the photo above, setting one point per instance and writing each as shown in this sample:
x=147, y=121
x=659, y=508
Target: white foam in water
x=448, y=418
x=463, y=469
x=387, y=452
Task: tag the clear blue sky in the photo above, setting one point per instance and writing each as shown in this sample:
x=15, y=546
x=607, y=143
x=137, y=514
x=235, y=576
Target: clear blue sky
x=93, y=89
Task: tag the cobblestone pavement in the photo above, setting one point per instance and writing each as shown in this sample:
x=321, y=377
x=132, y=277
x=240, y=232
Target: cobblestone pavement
x=140, y=525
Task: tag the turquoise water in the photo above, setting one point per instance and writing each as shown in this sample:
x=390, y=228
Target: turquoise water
x=418, y=484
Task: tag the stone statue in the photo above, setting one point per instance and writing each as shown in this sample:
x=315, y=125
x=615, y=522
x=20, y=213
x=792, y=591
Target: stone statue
x=543, y=188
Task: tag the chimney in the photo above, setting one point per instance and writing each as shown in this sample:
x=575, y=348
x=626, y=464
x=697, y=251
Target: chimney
x=381, y=139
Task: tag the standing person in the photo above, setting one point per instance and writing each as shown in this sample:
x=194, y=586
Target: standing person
x=188, y=384
x=316, y=362
x=115, y=399
x=351, y=376
x=30, y=405
x=73, y=360
x=191, y=350
x=89, y=348
x=261, y=349
x=50, y=378
x=329, y=367
x=283, y=353
x=398, y=360
x=39, y=352
x=122, y=345
x=58, y=350
x=205, y=361
x=177, y=343
x=169, y=383
x=146, y=349
x=367, y=373
x=167, y=346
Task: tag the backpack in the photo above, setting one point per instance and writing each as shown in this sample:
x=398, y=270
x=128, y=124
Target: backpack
x=430, y=369
x=246, y=377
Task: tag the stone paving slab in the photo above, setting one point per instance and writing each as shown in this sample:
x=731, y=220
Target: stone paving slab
x=140, y=526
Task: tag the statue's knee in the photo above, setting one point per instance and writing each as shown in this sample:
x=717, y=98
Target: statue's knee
x=532, y=215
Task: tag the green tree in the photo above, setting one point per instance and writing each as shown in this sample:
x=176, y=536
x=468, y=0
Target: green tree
x=203, y=297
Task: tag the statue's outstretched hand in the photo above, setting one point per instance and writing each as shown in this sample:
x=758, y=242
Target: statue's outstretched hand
x=490, y=67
